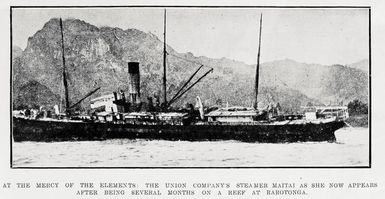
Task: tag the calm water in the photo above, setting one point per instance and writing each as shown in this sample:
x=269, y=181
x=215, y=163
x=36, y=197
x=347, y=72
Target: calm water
x=351, y=149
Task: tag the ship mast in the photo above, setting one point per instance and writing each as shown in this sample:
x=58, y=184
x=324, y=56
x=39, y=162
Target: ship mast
x=257, y=68
x=164, y=61
x=181, y=91
x=67, y=104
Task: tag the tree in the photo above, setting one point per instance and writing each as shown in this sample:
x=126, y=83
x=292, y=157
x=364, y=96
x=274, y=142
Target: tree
x=357, y=107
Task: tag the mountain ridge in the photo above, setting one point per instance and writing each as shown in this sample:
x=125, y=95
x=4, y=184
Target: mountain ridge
x=98, y=57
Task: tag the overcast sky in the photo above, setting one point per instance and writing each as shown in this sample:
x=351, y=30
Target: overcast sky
x=323, y=36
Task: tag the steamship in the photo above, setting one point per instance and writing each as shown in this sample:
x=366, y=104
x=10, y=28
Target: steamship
x=125, y=117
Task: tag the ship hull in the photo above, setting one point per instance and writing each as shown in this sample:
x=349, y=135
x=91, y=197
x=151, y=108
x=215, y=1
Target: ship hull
x=46, y=131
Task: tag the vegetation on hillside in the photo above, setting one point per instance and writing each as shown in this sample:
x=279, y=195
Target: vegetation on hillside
x=356, y=107
x=358, y=112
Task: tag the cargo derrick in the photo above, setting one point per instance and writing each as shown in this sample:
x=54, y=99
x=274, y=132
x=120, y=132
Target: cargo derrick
x=131, y=108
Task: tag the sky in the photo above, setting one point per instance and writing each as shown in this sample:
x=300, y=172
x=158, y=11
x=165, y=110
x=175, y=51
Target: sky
x=322, y=36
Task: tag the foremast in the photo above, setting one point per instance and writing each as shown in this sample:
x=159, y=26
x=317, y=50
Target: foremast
x=65, y=83
x=67, y=103
x=257, y=68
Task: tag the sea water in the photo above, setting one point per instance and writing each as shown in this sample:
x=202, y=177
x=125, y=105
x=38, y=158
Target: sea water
x=351, y=149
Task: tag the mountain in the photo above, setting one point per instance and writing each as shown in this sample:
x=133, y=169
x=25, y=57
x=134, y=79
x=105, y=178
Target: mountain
x=329, y=84
x=33, y=95
x=16, y=52
x=361, y=65
x=98, y=56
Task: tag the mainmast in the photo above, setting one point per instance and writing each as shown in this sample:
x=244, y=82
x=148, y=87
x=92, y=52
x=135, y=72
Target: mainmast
x=164, y=62
x=257, y=68
x=67, y=104
x=181, y=91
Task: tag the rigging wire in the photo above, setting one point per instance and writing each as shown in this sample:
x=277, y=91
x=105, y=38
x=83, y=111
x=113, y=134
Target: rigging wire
x=182, y=90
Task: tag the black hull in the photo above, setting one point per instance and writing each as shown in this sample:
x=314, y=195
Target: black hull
x=47, y=131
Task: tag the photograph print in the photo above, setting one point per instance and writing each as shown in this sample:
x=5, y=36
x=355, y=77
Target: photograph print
x=190, y=87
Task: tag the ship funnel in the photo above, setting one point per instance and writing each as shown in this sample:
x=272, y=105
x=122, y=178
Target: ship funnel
x=133, y=82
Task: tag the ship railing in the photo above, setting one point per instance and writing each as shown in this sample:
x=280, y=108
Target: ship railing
x=338, y=115
x=216, y=123
x=271, y=122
